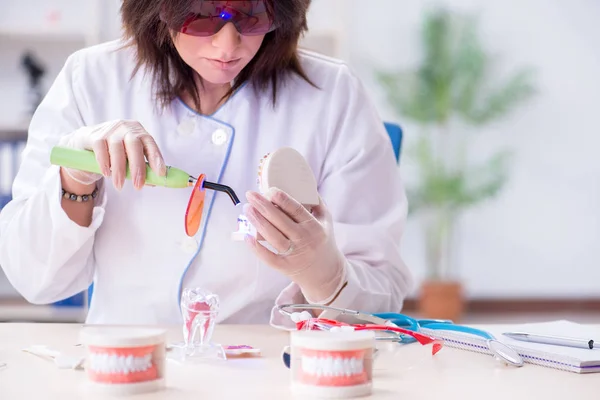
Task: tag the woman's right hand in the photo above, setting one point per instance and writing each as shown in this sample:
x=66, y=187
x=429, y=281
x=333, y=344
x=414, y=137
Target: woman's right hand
x=115, y=143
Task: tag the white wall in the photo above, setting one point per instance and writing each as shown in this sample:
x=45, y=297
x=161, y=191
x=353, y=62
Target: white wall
x=542, y=236
x=51, y=30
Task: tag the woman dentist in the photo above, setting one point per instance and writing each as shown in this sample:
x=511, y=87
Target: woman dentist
x=209, y=87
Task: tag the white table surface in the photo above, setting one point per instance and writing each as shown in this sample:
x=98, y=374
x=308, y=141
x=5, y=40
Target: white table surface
x=410, y=373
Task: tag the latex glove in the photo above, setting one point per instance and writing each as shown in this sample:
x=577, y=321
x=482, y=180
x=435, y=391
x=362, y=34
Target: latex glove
x=115, y=143
x=306, y=249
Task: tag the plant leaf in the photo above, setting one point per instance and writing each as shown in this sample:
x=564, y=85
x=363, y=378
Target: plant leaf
x=504, y=99
x=454, y=78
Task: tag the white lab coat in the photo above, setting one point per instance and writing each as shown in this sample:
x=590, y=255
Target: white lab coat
x=136, y=251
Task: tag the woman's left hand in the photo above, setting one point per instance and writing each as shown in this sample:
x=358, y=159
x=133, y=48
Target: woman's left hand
x=307, y=251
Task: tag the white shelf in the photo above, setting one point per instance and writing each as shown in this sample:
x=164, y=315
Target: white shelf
x=12, y=133
x=44, y=34
x=14, y=127
x=33, y=313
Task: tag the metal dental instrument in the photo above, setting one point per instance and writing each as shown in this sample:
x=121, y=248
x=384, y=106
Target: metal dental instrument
x=499, y=350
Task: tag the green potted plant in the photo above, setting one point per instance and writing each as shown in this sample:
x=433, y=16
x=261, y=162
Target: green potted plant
x=452, y=92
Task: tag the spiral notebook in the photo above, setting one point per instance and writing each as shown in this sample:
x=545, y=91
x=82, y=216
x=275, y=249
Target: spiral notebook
x=563, y=358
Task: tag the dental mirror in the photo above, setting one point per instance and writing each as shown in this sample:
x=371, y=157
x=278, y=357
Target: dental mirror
x=505, y=353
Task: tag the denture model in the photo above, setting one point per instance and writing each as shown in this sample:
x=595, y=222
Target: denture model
x=123, y=361
x=287, y=170
x=332, y=364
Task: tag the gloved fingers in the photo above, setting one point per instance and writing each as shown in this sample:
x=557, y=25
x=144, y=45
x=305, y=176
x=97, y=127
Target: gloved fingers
x=320, y=211
x=100, y=149
x=87, y=137
x=95, y=138
x=290, y=206
x=153, y=154
x=115, y=143
x=137, y=161
x=274, y=215
x=269, y=232
x=264, y=254
x=118, y=159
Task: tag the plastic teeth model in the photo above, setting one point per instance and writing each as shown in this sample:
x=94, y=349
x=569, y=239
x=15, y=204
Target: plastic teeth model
x=260, y=168
x=124, y=360
x=331, y=364
x=287, y=170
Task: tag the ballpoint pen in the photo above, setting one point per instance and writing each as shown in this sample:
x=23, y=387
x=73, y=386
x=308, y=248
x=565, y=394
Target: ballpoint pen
x=548, y=339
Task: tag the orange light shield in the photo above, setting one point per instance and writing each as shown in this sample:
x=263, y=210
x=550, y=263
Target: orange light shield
x=193, y=214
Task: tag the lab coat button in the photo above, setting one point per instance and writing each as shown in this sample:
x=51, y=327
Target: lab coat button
x=219, y=137
x=189, y=245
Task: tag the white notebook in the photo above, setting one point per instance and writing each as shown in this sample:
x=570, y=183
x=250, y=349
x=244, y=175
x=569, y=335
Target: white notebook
x=564, y=358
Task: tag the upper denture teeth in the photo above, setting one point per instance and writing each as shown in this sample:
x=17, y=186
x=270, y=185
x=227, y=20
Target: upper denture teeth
x=332, y=366
x=119, y=364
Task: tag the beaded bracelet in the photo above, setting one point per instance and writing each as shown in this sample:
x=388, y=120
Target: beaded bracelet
x=79, y=198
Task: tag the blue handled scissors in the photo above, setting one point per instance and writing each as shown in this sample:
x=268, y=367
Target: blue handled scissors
x=413, y=324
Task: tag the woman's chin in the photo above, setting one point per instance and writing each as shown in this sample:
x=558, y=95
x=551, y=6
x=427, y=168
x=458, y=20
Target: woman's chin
x=218, y=79
x=218, y=76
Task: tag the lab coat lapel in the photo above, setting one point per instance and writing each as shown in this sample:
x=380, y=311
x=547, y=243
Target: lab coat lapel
x=213, y=140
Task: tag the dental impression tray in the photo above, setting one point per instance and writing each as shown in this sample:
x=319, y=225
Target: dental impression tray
x=287, y=170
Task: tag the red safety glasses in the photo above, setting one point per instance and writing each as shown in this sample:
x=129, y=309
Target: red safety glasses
x=250, y=18
x=323, y=324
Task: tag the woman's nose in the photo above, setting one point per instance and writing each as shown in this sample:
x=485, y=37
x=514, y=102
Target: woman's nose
x=227, y=39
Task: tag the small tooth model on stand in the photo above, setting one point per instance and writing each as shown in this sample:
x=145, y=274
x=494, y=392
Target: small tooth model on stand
x=199, y=309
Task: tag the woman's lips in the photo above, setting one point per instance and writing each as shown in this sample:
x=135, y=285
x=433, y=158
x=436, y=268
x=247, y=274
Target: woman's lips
x=223, y=65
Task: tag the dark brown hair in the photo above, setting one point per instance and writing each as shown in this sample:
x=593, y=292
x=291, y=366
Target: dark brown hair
x=150, y=35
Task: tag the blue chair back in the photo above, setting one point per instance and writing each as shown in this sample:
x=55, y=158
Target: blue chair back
x=395, y=133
